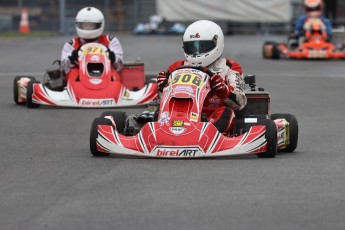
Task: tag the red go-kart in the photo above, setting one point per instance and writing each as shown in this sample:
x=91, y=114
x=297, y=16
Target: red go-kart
x=94, y=84
x=314, y=45
x=178, y=129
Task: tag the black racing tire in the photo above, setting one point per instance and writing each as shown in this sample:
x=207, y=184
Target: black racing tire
x=274, y=54
x=293, y=132
x=94, y=135
x=271, y=137
x=119, y=118
x=29, y=92
x=16, y=89
x=266, y=54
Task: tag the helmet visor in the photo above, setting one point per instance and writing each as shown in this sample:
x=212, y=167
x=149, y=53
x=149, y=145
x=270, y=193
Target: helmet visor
x=313, y=9
x=198, y=47
x=88, y=25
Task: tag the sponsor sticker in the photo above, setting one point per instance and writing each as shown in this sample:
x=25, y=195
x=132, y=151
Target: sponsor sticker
x=197, y=35
x=177, y=130
x=216, y=69
x=126, y=95
x=97, y=102
x=177, y=123
x=184, y=89
x=95, y=58
x=96, y=81
x=250, y=120
x=281, y=137
x=194, y=117
x=179, y=152
x=164, y=118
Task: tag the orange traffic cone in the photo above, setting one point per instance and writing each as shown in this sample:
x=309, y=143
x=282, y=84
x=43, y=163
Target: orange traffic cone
x=24, y=27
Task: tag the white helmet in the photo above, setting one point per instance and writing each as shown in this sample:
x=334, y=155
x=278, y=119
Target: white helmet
x=203, y=43
x=89, y=23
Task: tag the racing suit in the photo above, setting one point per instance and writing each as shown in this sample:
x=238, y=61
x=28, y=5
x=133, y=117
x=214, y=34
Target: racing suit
x=302, y=24
x=111, y=42
x=302, y=30
x=220, y=112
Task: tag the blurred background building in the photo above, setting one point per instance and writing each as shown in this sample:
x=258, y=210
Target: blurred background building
x=125, y=15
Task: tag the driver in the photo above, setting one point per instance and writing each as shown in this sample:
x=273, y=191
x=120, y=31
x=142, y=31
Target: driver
x=89, y=26
x=203, y=44
x=303, y=25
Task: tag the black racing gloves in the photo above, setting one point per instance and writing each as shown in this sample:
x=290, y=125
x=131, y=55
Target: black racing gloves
x=74, y=57
x=112, y=56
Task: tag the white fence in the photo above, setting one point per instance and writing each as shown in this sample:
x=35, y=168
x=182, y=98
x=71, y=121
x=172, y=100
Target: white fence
x=263, y=11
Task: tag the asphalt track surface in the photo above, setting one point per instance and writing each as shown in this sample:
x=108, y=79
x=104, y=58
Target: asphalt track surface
x=49, y=180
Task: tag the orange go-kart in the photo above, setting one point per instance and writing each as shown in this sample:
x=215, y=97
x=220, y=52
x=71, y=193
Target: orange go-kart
x=315, y=45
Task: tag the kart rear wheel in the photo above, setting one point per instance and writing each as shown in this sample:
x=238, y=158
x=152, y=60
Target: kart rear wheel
x=29, y=92
x=265, y=50
x=94, y=135
x=275, y=52
x=293, y=132
x=119, y=118
x=271, y=137
x=16, y=89
x=270, y=50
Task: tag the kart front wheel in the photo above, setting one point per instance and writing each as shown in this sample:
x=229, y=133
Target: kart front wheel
x=94, y=134
x=119, y=119
x=293, y=130
x=271, y=138
x=29, y=93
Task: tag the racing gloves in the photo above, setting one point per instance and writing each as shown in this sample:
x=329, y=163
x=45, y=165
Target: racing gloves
x=73, y=59
x=218, y=85
x=112, y=56
x=162, y=80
